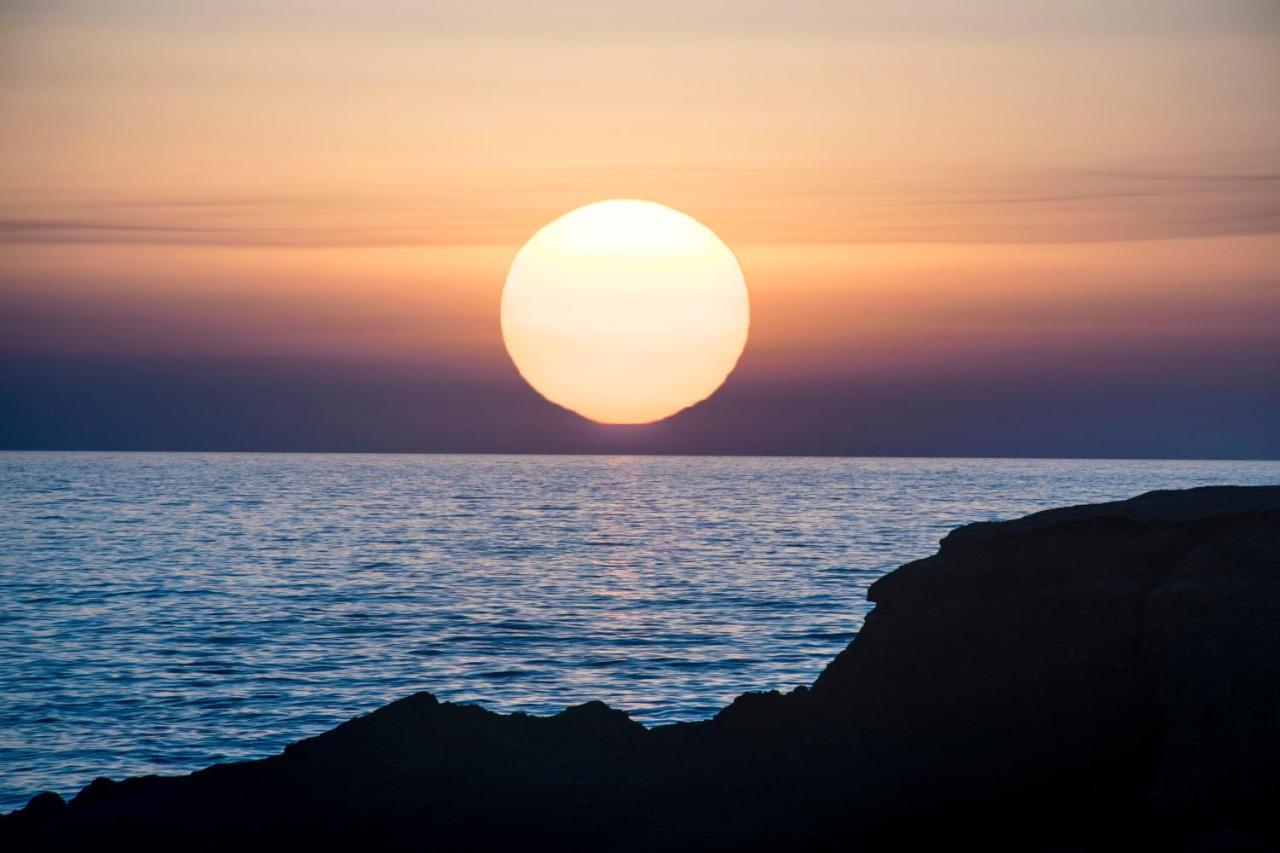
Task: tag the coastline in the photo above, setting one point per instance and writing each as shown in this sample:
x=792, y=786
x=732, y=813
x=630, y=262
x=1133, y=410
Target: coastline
x=1096, y=676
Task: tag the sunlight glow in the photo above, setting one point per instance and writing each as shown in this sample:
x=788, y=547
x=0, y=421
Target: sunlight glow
x=625, y=311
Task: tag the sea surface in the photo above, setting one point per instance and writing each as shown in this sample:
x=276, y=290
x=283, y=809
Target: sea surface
x=160, y=612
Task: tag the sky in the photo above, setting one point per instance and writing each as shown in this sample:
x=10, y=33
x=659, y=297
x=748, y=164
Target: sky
x=991, y=228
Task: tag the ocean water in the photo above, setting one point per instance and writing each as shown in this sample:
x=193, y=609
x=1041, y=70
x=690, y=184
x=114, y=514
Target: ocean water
x=160, y=612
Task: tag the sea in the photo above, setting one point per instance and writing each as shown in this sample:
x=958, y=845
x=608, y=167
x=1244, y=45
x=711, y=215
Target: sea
x=162, y=612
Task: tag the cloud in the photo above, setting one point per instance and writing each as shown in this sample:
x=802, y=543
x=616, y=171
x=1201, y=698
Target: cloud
x=1180, y=404
x=749, y=206
x=867, y=19
x=108, y=230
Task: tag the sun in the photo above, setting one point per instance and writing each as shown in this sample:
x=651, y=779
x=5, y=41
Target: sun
x=625, y=311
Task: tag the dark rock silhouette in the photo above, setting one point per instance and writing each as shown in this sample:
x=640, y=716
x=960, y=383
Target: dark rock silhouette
x=1092, y=678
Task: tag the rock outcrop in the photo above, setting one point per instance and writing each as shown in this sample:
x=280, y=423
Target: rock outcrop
x=1096, y=678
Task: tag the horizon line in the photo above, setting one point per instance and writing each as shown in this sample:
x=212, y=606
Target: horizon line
x=679, y=454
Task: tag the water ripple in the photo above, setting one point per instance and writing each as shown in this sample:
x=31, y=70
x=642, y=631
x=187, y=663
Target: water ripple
x=159, y=612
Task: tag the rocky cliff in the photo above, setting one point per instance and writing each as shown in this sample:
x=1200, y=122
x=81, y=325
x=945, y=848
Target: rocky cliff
x=1100, y=678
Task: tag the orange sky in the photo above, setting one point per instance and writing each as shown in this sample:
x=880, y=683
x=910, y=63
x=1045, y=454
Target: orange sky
x=909, y=186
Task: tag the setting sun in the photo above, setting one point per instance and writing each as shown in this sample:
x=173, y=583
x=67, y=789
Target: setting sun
x=625, y=311
x=365, y=351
